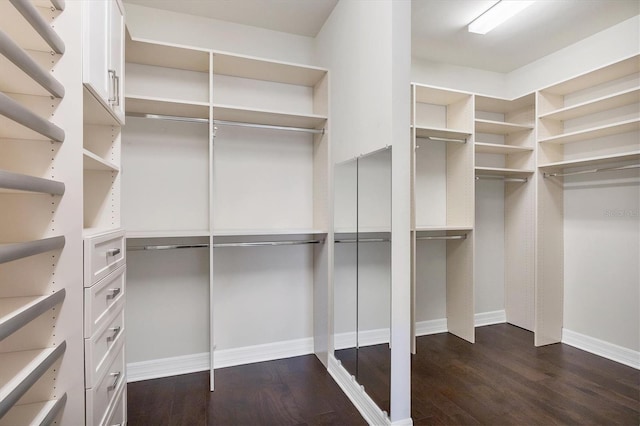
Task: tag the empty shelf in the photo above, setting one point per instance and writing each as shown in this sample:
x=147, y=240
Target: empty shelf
x=596, y=132
x=167, y=233
x=499, y=171
x=21, y=115
x=164, y=106
x=426, y=132
x=37, y=413
x=15, y=251
x=491, y=148
x=92, y=161
x=31, y=14
x=16, y=312
x=141, y=52
x=500, y=127
x=273, y=118
x=616, y=100
x=27, y=367
x=592, y=161
x=19, y=182
x=20, y=58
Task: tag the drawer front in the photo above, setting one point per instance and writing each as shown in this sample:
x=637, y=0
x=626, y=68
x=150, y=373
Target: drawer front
x=101, y=348
x=103, y=254
x=118, y=412
x=100, y=397
x=100, y=301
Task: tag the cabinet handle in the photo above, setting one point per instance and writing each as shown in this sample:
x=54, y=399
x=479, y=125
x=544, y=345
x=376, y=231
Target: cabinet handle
x=116, y=331
x=116, y=379
x=117, y=89
x=112, y=76
x=113, y=252
x=114, y=293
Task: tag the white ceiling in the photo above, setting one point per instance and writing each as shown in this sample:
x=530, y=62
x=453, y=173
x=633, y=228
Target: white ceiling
x=439, y=27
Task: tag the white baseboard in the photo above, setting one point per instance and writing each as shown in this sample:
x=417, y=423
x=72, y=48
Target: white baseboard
x=490, y=318
x=174, y=366
x=368, y=409
x=600, y=347
x=424, y=328
x=366, y=338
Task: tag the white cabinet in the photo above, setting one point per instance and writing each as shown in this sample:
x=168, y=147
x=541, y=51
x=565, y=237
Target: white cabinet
x=103, y=53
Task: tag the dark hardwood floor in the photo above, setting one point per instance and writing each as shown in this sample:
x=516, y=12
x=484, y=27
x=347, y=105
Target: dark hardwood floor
x=502, y=379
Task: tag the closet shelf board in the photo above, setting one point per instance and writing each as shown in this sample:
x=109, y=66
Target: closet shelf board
x=269, y=117
x=95, y=231
x=92, y=161
x=592, y=161
x=15, y=251
x=267, y=70
x=24, y=368
x=425, y=132
x=16, y=182
x=491, y=148
x=498, y=171
x=436, y=96
x=425, y=229
x=94, y=112
x=616, y=100
x=503, y=106
x=21, y=31
x=596, y=132
x=167, y=233
x=16, y=81
x=164, y=106
x=267, y=232
x=590, y=79
x=37, y=413
x=500, y=127
x=144, y=52
x=16, y=312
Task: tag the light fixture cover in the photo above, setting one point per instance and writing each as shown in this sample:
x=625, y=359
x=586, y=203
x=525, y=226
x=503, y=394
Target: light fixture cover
x=497, y=14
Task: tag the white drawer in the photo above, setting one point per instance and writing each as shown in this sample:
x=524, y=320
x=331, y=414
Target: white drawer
x=103, y=254
x=118, y=411
x=100, y=397
x=100, y=300
x=101, y=348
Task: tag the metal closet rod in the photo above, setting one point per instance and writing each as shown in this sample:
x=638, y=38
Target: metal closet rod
x=221, y=245
x=503, y=178
x=440, y=139
x=584, y=172
x=443, y=237
x=224, y=122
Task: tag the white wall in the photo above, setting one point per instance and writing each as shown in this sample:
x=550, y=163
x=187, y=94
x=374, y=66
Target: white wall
x=177, y=28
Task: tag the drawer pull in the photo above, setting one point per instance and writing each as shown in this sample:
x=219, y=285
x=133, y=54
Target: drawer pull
x=113, y=293
x=116, y=331
x=116, y=379
x=113, y=252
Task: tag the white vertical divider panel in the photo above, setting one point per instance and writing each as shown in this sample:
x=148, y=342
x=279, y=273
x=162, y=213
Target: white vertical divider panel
x=211, y=227
x=414, y=259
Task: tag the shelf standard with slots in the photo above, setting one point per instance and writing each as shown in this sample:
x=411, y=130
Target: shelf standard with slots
x=500, y=171
x=27, y=367
x=500, y=127
x=615, y=100
x=92, y=161
x=494, y=148
x=595, y=132
x=591, y=161
x=163, y=106
x=16, y=312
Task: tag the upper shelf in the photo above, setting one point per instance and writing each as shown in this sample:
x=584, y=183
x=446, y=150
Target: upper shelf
x=436, y=96
x=616, y=100
x=273, y=118
x=592, y=161
x=500, y=171
x=164, y=106
x=426, y=132
x=492, y=148
x=150, y=53
x=504, y=106
x=500, y=127
x=595, y=132
x=599, y=76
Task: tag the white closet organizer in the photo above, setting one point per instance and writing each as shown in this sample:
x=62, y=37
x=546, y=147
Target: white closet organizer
x=585, y=124
x=226, y=163
x=39, y=233
x=443, y=207
x=504, y=153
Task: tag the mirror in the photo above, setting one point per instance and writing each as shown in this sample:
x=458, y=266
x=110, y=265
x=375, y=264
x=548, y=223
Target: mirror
x=362, y=271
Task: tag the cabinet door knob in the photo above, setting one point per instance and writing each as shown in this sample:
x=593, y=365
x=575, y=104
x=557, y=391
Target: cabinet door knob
x=113, y=293
x=116, y=379
x=116, y=331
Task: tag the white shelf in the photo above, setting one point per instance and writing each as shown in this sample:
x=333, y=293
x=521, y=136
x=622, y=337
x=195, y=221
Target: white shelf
x=500, y=171
x=616, y=100
x=436, y=96
x=425, y=132
x=596, y=132
x=151, y=53
x=164, y=106
x=442, y=228
x=16, y=312
x=592, y=161
x=268, y=117
x=92, y=161
x=491, y=148
x=167, y=234
x=95, y=112
x=37, y=413
x=260, y=69
x=266, y=232
x=594, y=78
x=504, y=106
x=95, y=231
x=500, y=127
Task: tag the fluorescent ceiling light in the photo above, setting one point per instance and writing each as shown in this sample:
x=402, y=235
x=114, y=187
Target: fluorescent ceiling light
x=497, y=14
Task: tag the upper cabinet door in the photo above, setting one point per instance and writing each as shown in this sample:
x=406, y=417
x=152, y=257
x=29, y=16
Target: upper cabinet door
x=103, y=53
x=95, y=71
x=116, y=58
